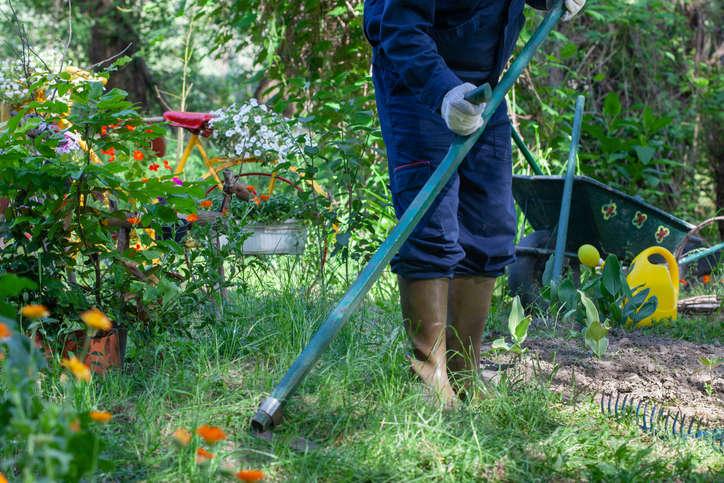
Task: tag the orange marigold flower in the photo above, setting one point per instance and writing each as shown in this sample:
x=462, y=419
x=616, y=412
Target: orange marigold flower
x=145, y=180
x=202, y=456
x=250, y=475
x=133, y=220
x=683, y=282
x=100, y=416
x=206, y=203
x=225, y=212
x=182, y=437
x=34, y=311
x=706, y=278
x=211, y=434
x=96, y=319
x=192, y=218
x=137, y=155
x=250, y=188
x=2, y=479
x=104, y=130
x=256, y=200
x=130, y=128
x=79, y=370
x=5, y=332
x=75, y=425
x=264, y=197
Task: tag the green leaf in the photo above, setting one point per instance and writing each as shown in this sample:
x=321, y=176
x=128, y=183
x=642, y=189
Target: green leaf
x=567, y=293
x=611, y=277
x=648, y=117
x=591, y=312
x=11, y=284
x=568, y=50
x=596, y=337
x=521, y=331
x=645, y=154
x=517, y=314
x=548, y=270
x=612, y=105
x=501, y=344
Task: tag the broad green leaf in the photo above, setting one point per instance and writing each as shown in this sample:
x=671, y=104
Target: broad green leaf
x=611, y=277
x=11, y=284
x=501, y=344
x=567, y=293
x=648, y=117
x=596, y=337
x=645, y=154
x=548, y=270
x=517, y=314
x=612, y=105
x=521, y=331
x=591, y=312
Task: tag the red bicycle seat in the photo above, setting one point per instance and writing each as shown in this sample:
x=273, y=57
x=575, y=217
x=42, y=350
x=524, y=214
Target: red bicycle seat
x=193, y=121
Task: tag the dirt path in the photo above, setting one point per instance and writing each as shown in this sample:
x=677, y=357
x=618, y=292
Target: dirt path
x=643, y=367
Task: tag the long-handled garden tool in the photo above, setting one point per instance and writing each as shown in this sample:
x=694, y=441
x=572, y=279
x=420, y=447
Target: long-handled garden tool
x=271, y=410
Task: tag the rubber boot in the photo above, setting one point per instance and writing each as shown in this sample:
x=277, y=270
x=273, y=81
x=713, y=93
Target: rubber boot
x=468, y=305
x=424, y=309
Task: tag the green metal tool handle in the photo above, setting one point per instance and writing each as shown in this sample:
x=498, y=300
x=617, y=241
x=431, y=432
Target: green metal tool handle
x=270, y=412
x=480, y=94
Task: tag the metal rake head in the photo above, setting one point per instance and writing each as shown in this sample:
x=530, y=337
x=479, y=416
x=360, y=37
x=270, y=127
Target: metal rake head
x=658, y=422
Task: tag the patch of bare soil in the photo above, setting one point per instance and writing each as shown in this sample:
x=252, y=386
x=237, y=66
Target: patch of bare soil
x=640, y=366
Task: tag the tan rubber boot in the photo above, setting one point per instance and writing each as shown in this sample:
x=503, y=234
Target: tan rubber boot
x=468, y=305
x=424, y=308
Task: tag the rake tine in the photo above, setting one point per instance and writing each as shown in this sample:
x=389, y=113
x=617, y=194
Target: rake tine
x=618, y=396
x=693, y=418
x=673, y=425
x=644, y=415
x=603, y=398
x=651, y=419
x=623, y=406
x=609, y=403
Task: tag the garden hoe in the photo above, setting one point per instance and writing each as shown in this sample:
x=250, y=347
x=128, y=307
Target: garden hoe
x=271, y=410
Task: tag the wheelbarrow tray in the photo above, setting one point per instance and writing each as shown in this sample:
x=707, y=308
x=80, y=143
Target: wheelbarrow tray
x=606, y=218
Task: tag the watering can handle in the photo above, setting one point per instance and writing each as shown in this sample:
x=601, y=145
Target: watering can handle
x=480, y=94
x=671, y=262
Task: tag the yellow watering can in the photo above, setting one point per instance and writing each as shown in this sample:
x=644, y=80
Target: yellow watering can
x=662, y=282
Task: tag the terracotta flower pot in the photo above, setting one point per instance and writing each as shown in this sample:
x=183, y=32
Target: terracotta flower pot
x=103, y=351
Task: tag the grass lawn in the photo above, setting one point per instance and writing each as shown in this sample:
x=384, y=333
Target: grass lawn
x=359, y=405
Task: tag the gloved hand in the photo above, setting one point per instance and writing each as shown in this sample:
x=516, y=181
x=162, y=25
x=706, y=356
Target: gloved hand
x=461, y=116
x=572, y=9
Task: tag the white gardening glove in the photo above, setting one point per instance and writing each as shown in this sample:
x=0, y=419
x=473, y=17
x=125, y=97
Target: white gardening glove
x=461, y=116
x=572, y=9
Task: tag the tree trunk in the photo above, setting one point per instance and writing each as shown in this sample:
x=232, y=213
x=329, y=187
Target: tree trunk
x=110, y=35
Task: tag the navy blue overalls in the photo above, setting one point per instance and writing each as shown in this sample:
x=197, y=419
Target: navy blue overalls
x=421, y=50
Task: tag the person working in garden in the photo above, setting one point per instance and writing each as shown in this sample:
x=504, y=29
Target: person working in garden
x=427, y=55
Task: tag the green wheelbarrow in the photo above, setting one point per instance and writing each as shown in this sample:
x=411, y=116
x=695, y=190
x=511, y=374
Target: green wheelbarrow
x=569, y=211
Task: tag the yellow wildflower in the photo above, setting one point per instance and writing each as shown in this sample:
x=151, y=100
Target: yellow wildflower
x=211, y=434
x=100, y=416
x=79, y=370
x=5, y=332
x=34, y=311
x=182, y=437
x=96, y=319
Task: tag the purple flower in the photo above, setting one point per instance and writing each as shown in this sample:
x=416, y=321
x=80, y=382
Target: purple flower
x=161, y=200
x=177, y=181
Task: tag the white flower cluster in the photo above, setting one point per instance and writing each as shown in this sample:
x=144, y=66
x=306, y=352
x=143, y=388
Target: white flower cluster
x=12, y=88
x=252, y=130
x=13, y=83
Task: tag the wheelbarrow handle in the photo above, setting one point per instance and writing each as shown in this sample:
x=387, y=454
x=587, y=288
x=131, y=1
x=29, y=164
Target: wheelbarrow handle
x=480, y=94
